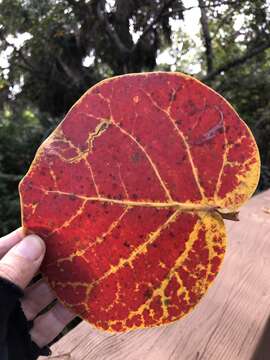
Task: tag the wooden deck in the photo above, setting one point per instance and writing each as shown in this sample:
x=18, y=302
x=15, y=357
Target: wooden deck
x=231, y=322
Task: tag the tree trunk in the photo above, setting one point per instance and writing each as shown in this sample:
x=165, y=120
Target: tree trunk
x=206, y=37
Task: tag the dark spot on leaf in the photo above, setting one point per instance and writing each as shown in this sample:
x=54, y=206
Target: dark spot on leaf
x=148, y=293
x=190, y=107
x=167, y=302
x=136, y=157
x=72, y=197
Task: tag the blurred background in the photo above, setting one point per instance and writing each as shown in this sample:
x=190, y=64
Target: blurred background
x=52, y=51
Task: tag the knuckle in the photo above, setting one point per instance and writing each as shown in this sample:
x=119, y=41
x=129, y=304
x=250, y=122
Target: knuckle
x=9, y=272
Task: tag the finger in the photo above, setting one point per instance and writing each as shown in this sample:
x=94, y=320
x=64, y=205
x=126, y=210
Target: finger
x=22, y=261
x=49, y=325
x=36, y=298
x=8, y=241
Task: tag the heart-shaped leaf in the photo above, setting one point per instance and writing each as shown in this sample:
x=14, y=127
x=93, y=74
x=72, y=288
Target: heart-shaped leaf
x=129, y=193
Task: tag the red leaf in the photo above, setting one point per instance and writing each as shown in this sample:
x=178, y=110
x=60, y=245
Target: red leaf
x=128, y=193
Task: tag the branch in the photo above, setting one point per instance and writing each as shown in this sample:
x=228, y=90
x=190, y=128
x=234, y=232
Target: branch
x=237, y=61
x=73, y=3
x=149, y=27
x=223, y=21
x=206, y=37
x=70, y=74
x=229, y=3
x=11, y=177
x=27, y=65
x=19, y=52
x=210, y=6
x=80, y=8
x=110, y=29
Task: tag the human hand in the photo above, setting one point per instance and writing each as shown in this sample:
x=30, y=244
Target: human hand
x=20, y=259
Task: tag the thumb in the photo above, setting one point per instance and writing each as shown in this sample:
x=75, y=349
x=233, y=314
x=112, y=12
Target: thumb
x=21, y=262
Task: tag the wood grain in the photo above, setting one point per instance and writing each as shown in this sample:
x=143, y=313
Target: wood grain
x=231, y=322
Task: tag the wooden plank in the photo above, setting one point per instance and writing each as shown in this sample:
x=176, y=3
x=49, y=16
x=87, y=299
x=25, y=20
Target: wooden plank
x=231, y=322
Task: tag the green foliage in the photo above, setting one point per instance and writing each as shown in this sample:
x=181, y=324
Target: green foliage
x=20, y=134
x=65, y=46
x=246, y=85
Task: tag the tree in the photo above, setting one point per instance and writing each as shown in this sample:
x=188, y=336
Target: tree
x=241, y=67
x=57, y=49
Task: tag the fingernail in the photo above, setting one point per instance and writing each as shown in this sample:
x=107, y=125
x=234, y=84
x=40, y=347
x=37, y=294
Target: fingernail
x=31, y=247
